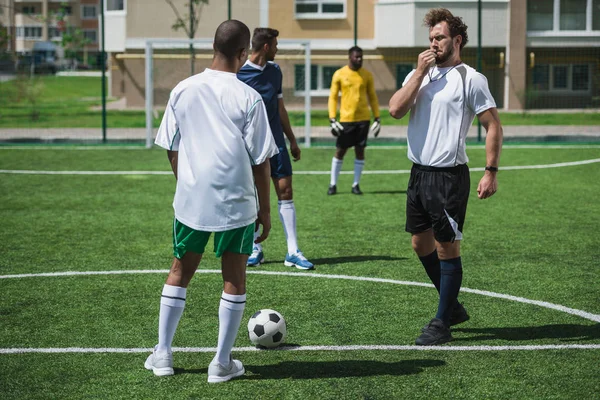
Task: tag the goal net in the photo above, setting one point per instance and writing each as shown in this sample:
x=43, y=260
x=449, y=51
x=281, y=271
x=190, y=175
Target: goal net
x=169, y=61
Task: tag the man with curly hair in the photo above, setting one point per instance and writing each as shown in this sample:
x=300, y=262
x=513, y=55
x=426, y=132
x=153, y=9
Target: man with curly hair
x=443, y=96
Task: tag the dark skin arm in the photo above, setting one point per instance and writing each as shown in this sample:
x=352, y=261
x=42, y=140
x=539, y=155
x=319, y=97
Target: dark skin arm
x=287, y=129
x=172, y=156
x=262, y=180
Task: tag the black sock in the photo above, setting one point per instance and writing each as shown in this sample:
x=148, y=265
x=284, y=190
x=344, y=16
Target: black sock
x=431, y=263
x=450, y=281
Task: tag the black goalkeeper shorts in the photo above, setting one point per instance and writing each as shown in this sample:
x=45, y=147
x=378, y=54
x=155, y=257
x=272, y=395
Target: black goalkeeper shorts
x=437, y=199
x=355, y=134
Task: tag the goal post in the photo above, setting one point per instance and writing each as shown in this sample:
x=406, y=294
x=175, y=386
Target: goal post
x=170, y=51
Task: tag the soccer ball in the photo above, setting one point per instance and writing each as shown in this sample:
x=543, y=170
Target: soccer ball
x=266, y=328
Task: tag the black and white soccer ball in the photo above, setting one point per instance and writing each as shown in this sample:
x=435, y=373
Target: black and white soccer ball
x=266, y=328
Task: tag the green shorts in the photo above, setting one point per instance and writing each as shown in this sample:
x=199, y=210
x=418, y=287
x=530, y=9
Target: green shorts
x=239, y=240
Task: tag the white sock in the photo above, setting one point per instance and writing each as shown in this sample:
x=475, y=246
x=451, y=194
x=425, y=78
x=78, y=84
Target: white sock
x=257, y=245
x=358, y=168
x=336, y=167
x=287, y=215
x=172, y=304
x=231, y=310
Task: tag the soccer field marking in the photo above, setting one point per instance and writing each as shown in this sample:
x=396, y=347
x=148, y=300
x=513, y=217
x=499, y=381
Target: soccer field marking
x=544, y=304
x=399, y=146
x=366, y=172
x=58, y=350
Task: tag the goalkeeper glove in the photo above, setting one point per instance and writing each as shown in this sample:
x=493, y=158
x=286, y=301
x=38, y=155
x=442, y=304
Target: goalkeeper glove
x=375, y=127
x=336, y=128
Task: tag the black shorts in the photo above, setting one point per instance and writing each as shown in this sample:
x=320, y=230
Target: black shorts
x=281, y=166
x=355, y=134
x=437, y=198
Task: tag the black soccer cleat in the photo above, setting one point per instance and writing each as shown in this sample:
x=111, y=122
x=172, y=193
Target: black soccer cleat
x=459, y=315
x=434, y=333
x=332, y=190
x=356, y=189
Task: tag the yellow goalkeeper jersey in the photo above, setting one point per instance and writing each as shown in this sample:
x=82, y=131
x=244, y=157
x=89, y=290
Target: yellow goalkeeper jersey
x=358, y=91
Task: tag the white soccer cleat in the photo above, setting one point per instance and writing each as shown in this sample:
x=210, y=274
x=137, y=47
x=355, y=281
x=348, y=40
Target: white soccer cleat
x=160, y=363
x=219, y=373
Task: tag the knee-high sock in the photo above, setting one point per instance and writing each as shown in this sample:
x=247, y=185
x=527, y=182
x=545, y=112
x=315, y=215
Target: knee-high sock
x=450, y=281
x=431, y=262
x=172, y=304
x=358, y=169
x=231, y=310
x=336, y=167
x=287, y=215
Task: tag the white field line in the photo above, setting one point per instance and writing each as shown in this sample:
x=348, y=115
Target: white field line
x=375, y=172
x=306, y=348
x=400, y=146
x=557, y=307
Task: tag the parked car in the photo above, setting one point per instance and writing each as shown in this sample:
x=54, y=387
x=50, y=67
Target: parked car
x=45, y=57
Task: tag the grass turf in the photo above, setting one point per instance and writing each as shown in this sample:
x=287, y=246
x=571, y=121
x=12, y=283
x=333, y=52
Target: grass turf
x=536, y=238
x=67, y=102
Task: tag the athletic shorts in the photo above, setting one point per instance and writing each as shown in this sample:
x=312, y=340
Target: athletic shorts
x=437, y=199
x=281, y=165
x=239, y=240
x=355, y=134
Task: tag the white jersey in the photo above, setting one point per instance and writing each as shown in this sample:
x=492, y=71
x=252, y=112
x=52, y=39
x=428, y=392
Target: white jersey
x=219, y=127
x=444, y=109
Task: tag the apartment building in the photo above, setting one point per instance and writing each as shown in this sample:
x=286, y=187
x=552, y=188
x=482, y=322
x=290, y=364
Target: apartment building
x=535, y=53
x=30, y=21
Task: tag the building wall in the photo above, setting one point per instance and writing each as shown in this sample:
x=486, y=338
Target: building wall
x=293, y=28
x=155, y=18
x=334, y=36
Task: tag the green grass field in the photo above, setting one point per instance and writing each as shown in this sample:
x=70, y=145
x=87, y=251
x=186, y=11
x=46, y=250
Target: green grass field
x=536, y=239
x=73, y=102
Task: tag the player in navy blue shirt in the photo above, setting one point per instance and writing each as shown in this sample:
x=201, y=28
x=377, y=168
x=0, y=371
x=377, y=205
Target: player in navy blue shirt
x=262, y=74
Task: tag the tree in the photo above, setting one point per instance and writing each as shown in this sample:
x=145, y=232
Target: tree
x=72, y=38
x=189, y=23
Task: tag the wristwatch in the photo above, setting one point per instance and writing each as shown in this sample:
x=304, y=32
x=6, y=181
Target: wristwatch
x=491, y=169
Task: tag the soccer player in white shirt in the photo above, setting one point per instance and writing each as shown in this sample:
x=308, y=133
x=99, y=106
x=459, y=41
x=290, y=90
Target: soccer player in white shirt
x=444, y=95
x=216, y=133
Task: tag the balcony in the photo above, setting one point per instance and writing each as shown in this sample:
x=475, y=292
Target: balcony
x=398, y=23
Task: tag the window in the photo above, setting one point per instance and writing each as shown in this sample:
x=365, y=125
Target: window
x=315, y=9
x=563, y=15
x=65, y=10
x=560, y=77
x=115, y=5
x=91, y=35
x=28, y=9
x=54, y=33
x=89, y=12
x=540, y=14
x=581, y=78
x=402, y=71
x=29, y=32
x=596, y=15
x=541, y=75
x=320, y=78
x=572, y=15
x=570, y=78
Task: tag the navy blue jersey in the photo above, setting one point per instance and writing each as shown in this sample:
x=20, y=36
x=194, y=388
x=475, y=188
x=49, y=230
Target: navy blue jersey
x=267, y=81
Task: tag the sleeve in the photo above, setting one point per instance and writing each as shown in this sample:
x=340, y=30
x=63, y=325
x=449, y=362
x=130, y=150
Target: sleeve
x=168, y=135
x=260, y=143
x=280, y=89
x=334, y=92
x=373, y=101
x=479, y=96
x=410, y=74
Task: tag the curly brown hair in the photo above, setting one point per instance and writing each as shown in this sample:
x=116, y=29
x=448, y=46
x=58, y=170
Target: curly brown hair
x=455, y=24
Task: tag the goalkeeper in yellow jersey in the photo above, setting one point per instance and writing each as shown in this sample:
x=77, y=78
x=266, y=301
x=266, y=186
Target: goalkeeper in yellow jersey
x=352, y=128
